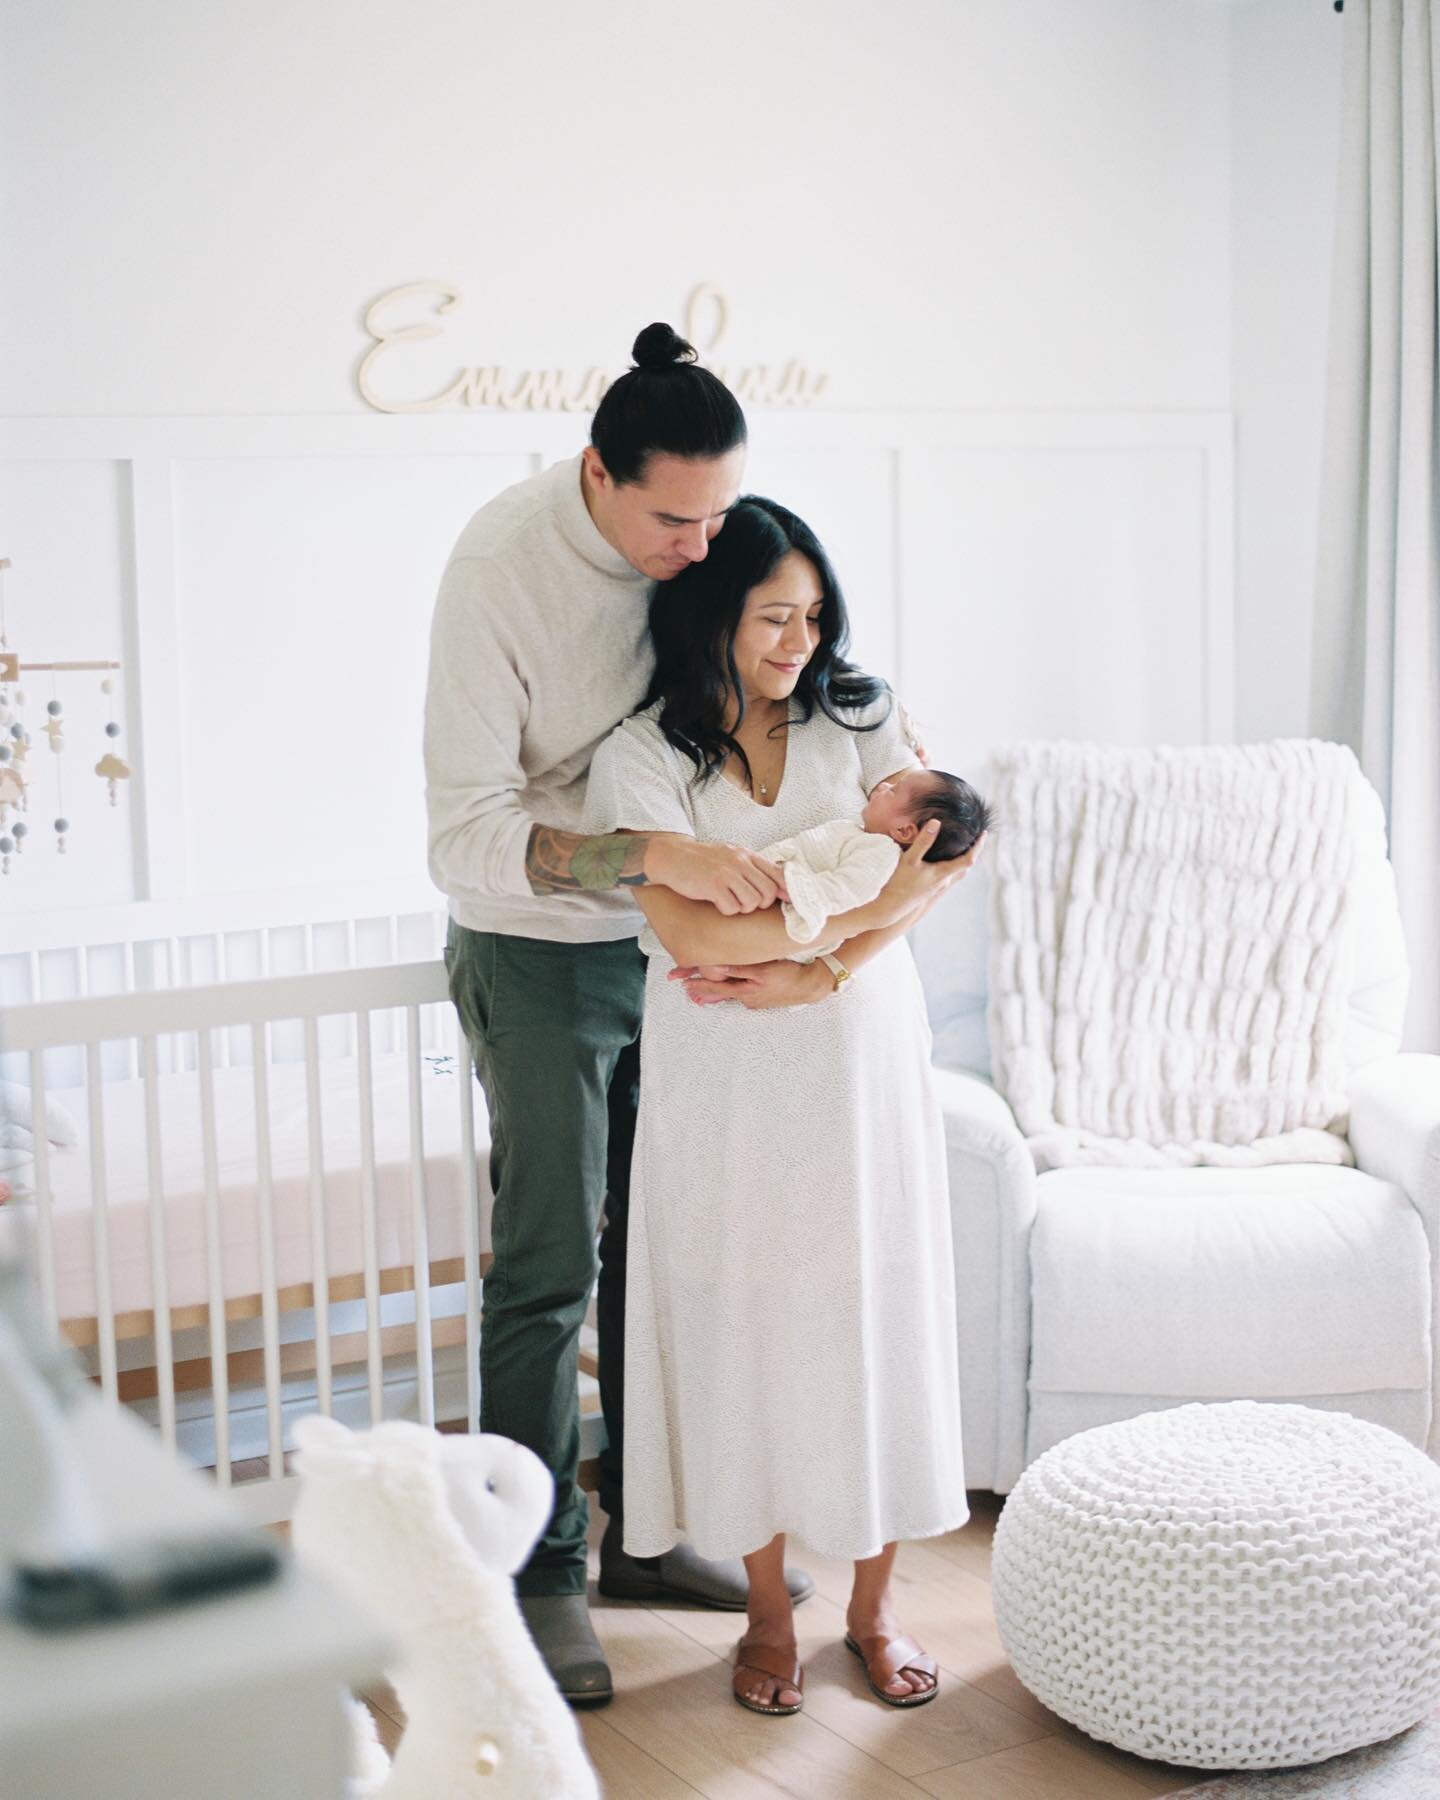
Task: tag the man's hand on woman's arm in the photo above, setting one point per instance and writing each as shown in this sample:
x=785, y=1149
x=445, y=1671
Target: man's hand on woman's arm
x=774, y=984
x=732, y=881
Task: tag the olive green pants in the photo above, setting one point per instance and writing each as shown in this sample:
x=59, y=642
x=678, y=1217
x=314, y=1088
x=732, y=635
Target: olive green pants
x=555, y=1033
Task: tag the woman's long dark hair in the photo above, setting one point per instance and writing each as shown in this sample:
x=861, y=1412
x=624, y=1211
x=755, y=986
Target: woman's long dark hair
x=693, y=621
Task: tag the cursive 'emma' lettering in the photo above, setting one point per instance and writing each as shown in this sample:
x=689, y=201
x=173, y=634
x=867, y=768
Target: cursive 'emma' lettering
x=555, y=390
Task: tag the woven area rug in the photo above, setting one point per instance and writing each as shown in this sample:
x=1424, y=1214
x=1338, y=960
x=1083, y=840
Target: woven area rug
x=1405, y=1768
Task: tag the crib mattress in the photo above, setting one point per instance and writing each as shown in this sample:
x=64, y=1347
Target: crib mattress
x=127, y=1205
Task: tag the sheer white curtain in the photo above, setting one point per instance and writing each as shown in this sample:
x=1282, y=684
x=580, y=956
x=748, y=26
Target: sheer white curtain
x=1376, y=660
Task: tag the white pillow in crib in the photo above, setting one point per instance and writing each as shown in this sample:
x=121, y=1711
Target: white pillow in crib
x=16, y=1110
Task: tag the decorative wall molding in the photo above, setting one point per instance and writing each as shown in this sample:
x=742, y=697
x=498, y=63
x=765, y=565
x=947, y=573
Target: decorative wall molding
x=487, y=387
x=922, y=463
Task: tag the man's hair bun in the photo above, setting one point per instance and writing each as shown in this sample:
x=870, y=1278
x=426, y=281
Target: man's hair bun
x=691, y=413
x=661, y=347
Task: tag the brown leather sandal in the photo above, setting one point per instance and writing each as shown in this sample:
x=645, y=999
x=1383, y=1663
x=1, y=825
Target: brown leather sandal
x=779, y=1664
x=885, y=1658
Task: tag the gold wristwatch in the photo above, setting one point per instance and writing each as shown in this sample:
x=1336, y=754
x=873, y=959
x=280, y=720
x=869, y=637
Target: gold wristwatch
x=836, y=968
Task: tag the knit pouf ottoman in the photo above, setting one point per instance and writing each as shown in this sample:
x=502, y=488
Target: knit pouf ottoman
x=1236, y=1586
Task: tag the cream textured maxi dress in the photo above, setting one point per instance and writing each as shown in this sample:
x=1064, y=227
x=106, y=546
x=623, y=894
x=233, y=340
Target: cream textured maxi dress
x=790, y=1347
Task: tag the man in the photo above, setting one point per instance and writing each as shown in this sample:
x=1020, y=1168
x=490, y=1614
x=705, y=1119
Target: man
x=540, y=646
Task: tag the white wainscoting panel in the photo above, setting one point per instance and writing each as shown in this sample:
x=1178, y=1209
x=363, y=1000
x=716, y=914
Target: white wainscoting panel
x=305, y=594
x=269, y=582
x=1053, y=593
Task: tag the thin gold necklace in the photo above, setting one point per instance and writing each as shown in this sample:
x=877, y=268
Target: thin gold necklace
x=762, y=787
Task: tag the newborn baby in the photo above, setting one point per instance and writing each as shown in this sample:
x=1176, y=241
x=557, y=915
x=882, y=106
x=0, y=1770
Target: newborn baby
x=839, y=865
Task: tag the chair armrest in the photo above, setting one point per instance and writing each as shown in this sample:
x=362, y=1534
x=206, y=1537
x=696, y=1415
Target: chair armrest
x=978, y=1119
x=992, y=1206
x=1395, y=1127
x=1395, y=1134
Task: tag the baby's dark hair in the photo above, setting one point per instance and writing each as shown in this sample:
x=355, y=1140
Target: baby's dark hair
x=964, y=817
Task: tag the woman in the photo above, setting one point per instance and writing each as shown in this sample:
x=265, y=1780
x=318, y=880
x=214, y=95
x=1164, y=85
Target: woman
x=790, y=1360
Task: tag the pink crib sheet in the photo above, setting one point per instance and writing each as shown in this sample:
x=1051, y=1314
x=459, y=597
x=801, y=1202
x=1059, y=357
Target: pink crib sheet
x=128, y=1206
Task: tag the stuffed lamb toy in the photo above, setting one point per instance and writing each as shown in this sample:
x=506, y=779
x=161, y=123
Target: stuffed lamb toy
x=425, y=1532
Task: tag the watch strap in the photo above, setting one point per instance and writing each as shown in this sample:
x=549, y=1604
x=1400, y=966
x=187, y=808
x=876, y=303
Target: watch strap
x=836, y=968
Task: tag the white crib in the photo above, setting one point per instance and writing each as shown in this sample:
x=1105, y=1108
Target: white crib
x=278, y=1200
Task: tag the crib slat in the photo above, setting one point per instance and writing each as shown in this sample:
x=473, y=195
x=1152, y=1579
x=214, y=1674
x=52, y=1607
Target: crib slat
x=420, y=1224
x=159, y=1266
x=45, y=1249
x=265, y=1202
x=178, y=1047
x=391, y=940
x=470, y=1216
x=219, y=1368
x=100, y=1222
x=217, y=951
x=367, y=1209
x=127, y=983
x=319, y=1249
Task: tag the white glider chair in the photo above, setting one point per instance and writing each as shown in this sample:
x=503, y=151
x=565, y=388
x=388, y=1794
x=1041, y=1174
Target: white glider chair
x=1090, y=1295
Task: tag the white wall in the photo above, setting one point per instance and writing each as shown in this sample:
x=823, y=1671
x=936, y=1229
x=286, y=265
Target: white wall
x=1111, y=206
x=943, y=202
x=1285, y=145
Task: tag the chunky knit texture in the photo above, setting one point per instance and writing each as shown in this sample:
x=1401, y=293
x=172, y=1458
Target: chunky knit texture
x=1236, y=1587
x=1170, y=956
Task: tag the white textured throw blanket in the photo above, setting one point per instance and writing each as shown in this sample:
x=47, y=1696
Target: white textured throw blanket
x=1170, y=955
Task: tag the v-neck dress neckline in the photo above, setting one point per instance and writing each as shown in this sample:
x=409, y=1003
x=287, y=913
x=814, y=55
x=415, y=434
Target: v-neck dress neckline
x=770, y=804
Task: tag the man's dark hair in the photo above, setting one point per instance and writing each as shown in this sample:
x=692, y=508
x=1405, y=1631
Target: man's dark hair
x=694, y=618
x=964, y=817
x=667, y=405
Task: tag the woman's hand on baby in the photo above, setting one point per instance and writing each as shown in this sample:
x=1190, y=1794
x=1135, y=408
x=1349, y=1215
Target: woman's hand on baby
x=733, y=881
x=915, y=882
x=916, y=885
x=957, y=869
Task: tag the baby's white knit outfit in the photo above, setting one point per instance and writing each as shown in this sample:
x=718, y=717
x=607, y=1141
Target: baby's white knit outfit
x=830, y=869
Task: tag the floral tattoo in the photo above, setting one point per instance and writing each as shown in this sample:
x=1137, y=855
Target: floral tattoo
x=564, y=862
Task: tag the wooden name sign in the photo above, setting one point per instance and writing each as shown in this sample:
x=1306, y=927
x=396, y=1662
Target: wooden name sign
x=558, y=390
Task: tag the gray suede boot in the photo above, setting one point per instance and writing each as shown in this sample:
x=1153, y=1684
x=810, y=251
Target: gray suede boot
x=681, y=1574
x=560, y=1625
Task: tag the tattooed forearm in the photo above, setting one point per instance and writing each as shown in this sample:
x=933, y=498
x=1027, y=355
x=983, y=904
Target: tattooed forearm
x=564, y=862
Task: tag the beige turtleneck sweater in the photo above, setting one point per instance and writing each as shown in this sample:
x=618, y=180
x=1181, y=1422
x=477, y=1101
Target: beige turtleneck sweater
x=538, y=649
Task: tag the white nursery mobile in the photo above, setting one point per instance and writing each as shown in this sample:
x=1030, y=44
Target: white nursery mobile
x=18, y=777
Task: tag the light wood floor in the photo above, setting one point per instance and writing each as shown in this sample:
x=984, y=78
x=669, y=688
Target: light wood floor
x=673, y=1730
